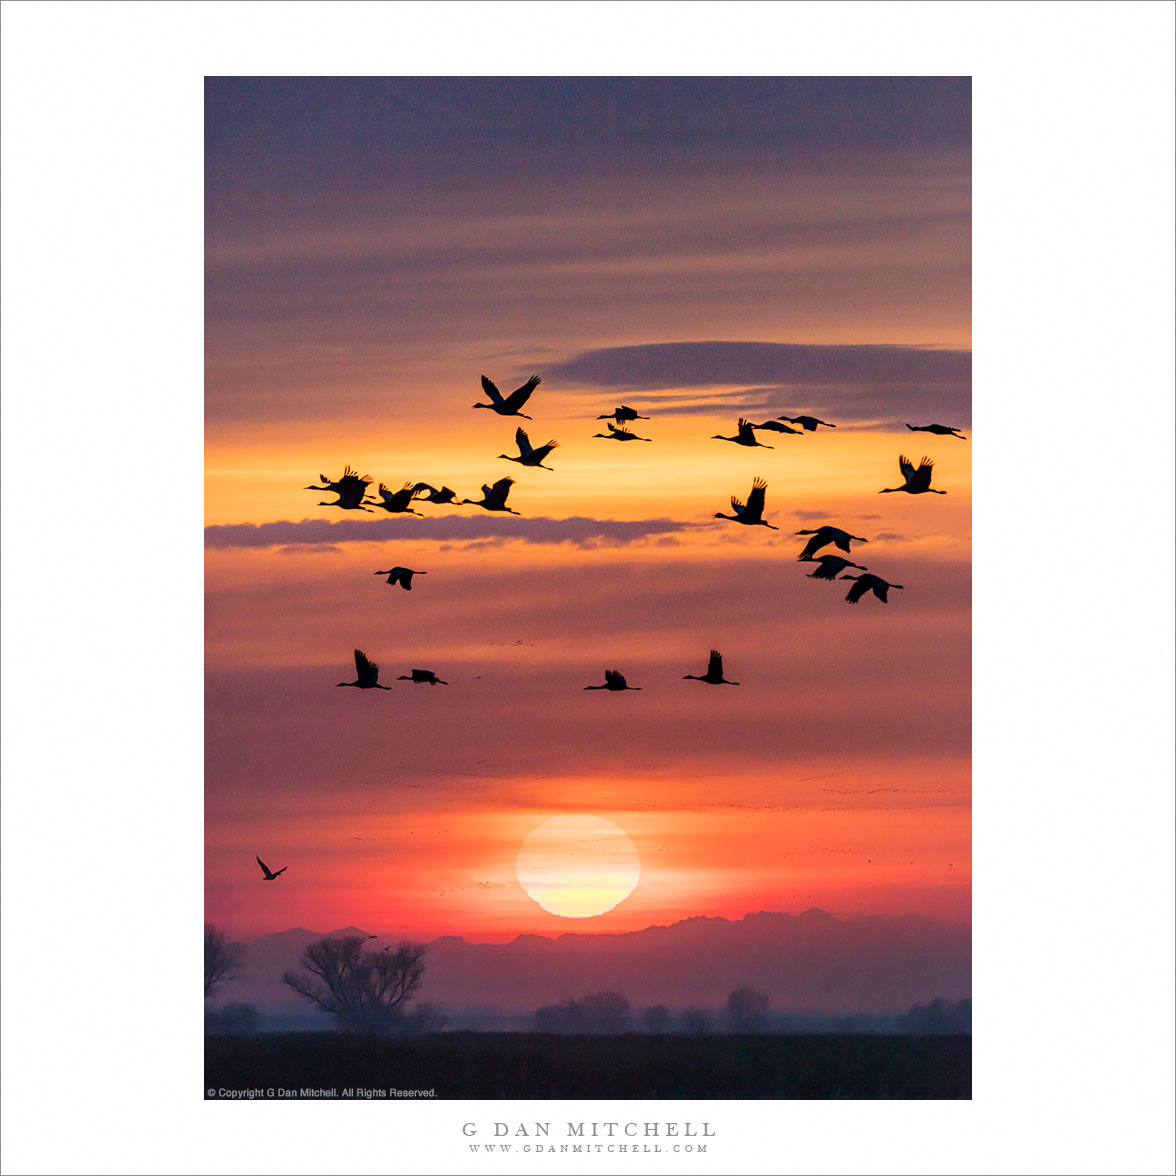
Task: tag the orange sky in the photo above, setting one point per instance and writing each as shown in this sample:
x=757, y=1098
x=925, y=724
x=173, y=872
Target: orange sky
x=348, y=323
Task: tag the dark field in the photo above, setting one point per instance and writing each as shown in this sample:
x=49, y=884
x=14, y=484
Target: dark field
x=639, y=1066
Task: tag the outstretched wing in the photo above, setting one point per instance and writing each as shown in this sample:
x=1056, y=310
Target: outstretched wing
x=737, y=505
x=907, y=467
x=714, y=667
x=859, y=589
x=281, y=871
x=615, y=678
x=544, y=450
x=880, y=587
x=520, y=396
x=746, y=431
x=496, y=494
x=922, y=476
x=488, y=386
x=830, y=566
x=619, y=432
x=366, y=672
x=265, y=868
x=523, y=441
x=820, y=537
x=755, y=500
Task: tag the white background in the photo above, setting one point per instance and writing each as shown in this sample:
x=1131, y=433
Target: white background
x=102, y=370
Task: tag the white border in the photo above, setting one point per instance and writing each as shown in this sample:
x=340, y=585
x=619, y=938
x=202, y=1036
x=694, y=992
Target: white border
x=101, y=365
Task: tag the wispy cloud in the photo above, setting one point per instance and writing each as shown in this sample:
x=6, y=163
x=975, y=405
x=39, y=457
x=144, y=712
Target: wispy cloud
x=871, y=385
x=319, y=534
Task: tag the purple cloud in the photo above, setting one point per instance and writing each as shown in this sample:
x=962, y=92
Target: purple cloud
x=316, y=533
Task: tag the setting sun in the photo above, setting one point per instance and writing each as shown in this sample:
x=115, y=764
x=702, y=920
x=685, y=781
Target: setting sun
x=578, y=866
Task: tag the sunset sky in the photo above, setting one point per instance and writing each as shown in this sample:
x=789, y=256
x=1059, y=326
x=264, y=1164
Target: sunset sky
x=702, y=249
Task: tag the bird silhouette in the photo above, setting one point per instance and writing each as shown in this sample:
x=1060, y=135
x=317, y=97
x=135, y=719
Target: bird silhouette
x=938, y=430
x=750, y=515
x=865, y=583
x=622, y=413
x=397, y=503
x=777, y=427
x=528, y=455
x=613, y=680
x=511, y=404
x=493, y=497
x=350, y=488
x=427, y=493
x=745, y=435
x=270, y=875
x=823, y=536
x=367, y=674
x=916, y=481
x=344, y=485
x=401, y=576
x=714, y=672
x=832, y=566
x=808, y=423
x=616, y=434
x=422, y=676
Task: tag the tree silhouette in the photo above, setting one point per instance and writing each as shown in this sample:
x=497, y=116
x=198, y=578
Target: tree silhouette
x=359, y=988
x=938, y=1017
x=235, y=1020
x=656, y=1018
x=695, y=1019
x=747, y=1010
x=597, y=1012
x=222, y=960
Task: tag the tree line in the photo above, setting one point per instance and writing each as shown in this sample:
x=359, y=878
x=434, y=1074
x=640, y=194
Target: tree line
x=367, y=990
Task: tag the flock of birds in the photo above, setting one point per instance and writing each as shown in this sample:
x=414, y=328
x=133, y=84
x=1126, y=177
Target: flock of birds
x=352, y=493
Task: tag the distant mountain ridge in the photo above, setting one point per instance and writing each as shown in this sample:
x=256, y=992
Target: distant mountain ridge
x=812, y=961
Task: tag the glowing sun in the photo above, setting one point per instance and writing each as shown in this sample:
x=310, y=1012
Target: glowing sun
x=578, y=866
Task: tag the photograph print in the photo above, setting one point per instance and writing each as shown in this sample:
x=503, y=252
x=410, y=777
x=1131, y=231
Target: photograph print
x=588, y=587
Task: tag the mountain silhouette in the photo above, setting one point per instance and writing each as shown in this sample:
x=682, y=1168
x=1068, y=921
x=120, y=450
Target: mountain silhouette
x=810, y=961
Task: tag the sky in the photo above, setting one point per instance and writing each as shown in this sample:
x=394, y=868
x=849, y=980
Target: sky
x=702, y=249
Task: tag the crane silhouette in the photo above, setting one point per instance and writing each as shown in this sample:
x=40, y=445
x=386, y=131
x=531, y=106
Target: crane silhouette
x=401, y=576
x=397, y=503
x=422, y=676
x=745, y=435
x=528, y=455
x=493, y=497
x=613, y=680
x=270, y=875
x=865, y=583
x=823, y=536
x=510, y=405
x=808, y=423
x=714, y=672
x=915, y=481
x=777, y=427
x=750, y=515
x=616, y=434
x=367, y=674
x=938, y=430
x=832, y=566
x=427, y=493
x=622, y=413
x=350, y=488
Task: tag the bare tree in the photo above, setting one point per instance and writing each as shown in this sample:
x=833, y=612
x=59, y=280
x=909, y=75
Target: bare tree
x=656, y=1018
x=747, y=1010
x=358, y=988
x=222, y=960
